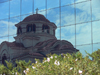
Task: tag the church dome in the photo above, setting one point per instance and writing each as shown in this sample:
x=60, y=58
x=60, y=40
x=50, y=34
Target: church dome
x=36, y=17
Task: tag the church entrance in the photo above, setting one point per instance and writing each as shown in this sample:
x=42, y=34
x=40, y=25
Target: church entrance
x=3, y=60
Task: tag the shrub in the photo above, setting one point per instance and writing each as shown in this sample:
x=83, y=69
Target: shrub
x=64, y=64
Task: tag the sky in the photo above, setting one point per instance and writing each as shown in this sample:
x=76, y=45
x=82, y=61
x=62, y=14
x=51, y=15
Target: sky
x=78, y=14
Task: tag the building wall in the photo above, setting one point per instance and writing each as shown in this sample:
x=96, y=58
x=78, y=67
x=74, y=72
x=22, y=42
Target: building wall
x=75, y=23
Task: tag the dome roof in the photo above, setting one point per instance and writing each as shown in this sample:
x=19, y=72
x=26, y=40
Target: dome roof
x=56, y=44
x=36, y=17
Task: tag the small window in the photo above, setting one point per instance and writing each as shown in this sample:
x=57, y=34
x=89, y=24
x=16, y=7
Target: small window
x=29, y=28
x=19, y=30
x=53, y=32
x=34, y=27
x=45, y=27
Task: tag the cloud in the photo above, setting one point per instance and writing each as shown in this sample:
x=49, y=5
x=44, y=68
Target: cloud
x=67, y=19
x=83, y=31
x=12, y=31
x=68, y=33
x=57, y=33
x=4, y=24
x=85, y=6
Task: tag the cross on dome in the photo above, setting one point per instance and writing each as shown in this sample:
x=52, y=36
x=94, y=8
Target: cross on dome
x=37, y=11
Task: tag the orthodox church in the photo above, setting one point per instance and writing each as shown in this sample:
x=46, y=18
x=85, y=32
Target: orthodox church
x=35, y=39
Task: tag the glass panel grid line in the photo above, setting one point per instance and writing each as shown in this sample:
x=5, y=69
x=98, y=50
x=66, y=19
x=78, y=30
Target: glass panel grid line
x=58, y=19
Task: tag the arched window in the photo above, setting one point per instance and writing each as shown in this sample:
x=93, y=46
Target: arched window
x=3, y=60
x=29, y=28
x=34, y=27
x=45, y=27
x=19, y=30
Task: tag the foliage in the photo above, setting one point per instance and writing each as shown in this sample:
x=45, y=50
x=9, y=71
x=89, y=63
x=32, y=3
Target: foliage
x=64, y=64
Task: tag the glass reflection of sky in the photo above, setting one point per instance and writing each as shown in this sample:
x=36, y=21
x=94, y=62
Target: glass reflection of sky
x=76, y=19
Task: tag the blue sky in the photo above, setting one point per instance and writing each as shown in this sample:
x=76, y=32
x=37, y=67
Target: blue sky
x=83, y=14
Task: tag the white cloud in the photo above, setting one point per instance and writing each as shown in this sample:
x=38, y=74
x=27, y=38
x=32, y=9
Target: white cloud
x=57, y=33
x=85, y=6
x=12, y=31
x=67, y=19
x=11, y=27
x=83, y=31
x=57, y=22
x=42, y=12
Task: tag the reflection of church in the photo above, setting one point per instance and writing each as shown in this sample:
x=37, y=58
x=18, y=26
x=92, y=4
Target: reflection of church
x=35, y=38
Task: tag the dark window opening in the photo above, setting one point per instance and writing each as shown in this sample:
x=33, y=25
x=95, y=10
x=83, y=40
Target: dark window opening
x=34, y=28
x=45, y=27
x=29, y=28
x=3, y=60
x=19, y=30
x=53, y=32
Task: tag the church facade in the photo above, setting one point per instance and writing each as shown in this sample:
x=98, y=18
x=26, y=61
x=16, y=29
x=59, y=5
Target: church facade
x=35, y=39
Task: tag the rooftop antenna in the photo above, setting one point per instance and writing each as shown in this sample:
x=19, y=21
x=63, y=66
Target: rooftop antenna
x=37, y=11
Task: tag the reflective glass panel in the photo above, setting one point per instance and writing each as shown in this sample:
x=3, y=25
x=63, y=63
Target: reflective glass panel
x=40, y=4
x=66, y=2
x=83, y=33
x=68, y=33
x=82, y=49
x=2, y=39
x=12, y=27
x=76, y=1
x=52, y=3
x=83, y=12
x=67, y=15
x=24, y=16
x=95, y=9
x=4, y=27
x=27, y=6
x=53, y=16
x=96, y=31
x=43, y=13
x=11, y=38
x=57, y=33
x=96, y=47
x=4, y=10
x=14, y=8
x=3, y=1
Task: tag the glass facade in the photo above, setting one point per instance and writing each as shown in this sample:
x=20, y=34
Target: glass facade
x=77, y=21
